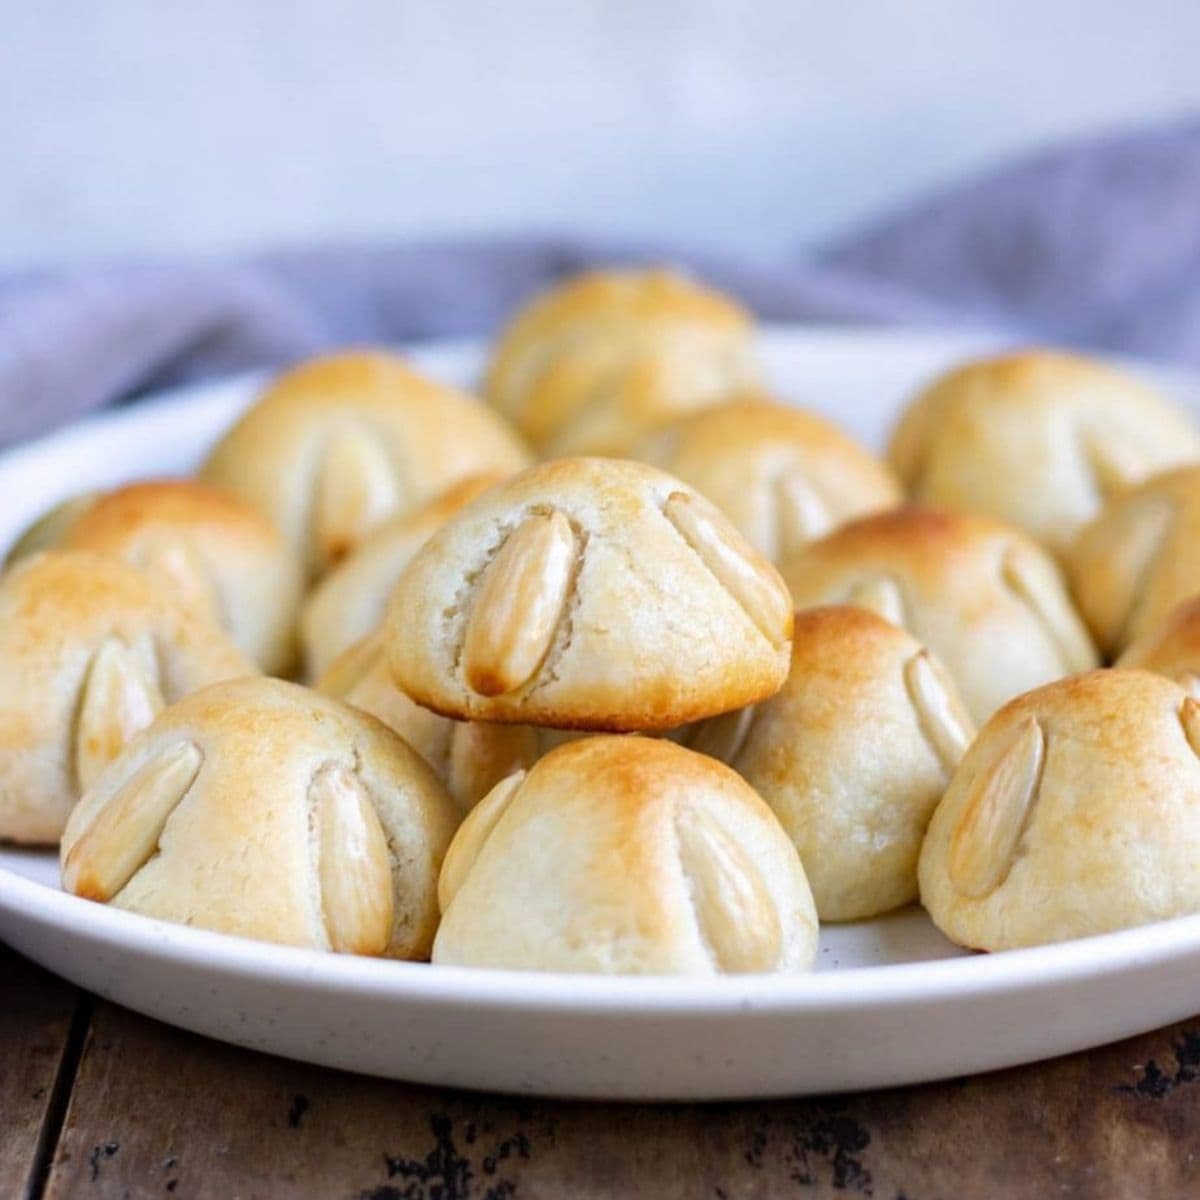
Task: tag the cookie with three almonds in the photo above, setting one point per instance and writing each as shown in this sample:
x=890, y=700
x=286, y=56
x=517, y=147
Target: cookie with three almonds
x=1137, y=560
x=219, y=556
x=782, y=475
x=591, y=365
x=469, y=757
x=262, y=809
x=589, y=594
x=852, y=756
x=990, y=603
x=349, y=601
x=1040, y=439
x=337, y=445
x=91, y=650
x=625, y=856
x=1076, y=811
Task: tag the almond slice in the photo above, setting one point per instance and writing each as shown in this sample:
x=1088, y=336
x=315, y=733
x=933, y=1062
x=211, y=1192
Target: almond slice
x=984, y=846
x=118, y=700
x=1115, y=466
x=352, y=667
x=480, y=756
x=356, y=489
x=940, y=714
x=471, y=835
x=1124, y=544
x=735, y=914
x=353, y=863
x=1189, y=718
x=744, y=573
x=126, y=831
x=520, y=602
x=881, y=595
x=1035, y=581
x=721, y=737
x=800, y=514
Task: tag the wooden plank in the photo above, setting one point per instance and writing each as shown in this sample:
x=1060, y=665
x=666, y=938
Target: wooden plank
x=36, y=1012
x=160, y=1112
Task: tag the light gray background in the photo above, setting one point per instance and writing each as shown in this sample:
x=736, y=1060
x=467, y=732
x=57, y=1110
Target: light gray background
x=135, y=125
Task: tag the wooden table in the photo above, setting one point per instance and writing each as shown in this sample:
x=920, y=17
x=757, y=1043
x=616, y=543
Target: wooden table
x=98, y=1102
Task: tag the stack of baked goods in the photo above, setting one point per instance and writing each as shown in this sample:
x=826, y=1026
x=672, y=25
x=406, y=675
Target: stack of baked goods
x=629, y=666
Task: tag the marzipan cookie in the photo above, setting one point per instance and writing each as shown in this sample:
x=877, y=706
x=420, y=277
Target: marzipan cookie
x=986, y=600
x=593, y=364
x=91, y=650
x=783, y=476
x=625, y=856
x=1039, y=439
x=1137, y=560
x=337, y=445
x=262, y=809
x=852, y=756
x=1076, y=811
x=589, y=594
x=218, y=555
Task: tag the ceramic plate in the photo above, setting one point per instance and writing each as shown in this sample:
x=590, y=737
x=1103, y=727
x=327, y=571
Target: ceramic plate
x=891, y=1002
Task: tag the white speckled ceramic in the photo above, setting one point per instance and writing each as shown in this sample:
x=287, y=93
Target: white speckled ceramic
x=892, y=1001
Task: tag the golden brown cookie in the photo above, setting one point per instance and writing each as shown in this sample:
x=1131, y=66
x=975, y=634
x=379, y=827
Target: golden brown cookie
x=589, y=594
x=985, y=599
x=262, y=809
x=91, y=650
x=1137, y=560
x=852, y=756
x=337, y=445
x=1076, y=811
x=1039, y=439
x=219, y=556
x=591, y=365
x=782, y=475
x=627, y=856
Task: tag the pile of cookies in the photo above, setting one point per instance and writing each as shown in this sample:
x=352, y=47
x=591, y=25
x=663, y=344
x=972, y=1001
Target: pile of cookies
x=630, y=667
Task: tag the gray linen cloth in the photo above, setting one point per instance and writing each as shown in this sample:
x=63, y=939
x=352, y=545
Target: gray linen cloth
x=1096, y=244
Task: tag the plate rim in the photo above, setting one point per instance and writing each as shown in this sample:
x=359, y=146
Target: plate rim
x=1040, y=967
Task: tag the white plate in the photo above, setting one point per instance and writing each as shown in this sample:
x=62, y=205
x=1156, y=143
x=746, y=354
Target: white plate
x=882, y=1009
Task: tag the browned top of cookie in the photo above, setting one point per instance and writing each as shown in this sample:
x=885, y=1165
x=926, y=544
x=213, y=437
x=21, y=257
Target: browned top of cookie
x=589, y=593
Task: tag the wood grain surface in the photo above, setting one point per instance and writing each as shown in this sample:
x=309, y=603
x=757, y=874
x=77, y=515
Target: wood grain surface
x=158, y=1112
x=36, y=1013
